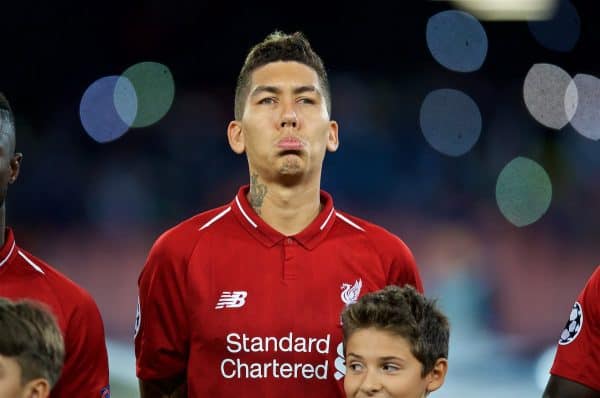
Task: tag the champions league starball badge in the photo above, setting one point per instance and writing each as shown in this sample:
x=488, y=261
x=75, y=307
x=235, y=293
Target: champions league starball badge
x=573, y=326
x=105, y=393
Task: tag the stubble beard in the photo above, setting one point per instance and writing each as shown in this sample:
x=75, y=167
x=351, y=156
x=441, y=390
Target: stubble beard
x=291, y=170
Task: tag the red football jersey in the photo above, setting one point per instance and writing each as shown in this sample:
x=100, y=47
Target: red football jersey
x=85, y=371
x=578, y=354
x=249, y=312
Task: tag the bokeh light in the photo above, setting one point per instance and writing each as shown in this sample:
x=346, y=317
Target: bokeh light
x=97, y=111
x=457, y=41
x=508, y=10
x=586, y=120
x=450, y=121
x=561, y=32
x=523, y=191
x=547, y=96
x=125, y=100
x=154, y=88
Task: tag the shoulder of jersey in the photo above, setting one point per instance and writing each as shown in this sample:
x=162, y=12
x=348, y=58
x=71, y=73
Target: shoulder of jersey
x=60, y=283
x=595, y=278
x=191, y=229
x=373, y=231
x=594, y=282
x=383, y=241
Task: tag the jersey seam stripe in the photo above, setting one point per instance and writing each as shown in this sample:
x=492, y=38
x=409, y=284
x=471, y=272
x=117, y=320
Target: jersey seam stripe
x=215, y=218
x=34, y=265
x=244, y=213
x=9, y=254
x=327, y=219
x=349, y=222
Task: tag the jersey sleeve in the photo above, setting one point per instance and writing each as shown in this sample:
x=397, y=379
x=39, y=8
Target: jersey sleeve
x=85, y=370
x=578, y=354
x=403, y=268
x=162, y=332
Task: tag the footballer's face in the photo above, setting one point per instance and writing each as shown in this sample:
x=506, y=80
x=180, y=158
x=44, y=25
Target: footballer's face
x=285, y=128
x=381, y=364
x=11, y=385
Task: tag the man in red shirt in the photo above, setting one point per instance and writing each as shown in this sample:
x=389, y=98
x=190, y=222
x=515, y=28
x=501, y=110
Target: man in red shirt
x=576, y=369
x=244, y=300
x=22, y=275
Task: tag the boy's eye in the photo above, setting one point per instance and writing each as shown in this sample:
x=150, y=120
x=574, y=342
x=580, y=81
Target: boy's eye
x=268, y=100
x=306, y=100
x=390, y=367
x=355, y=367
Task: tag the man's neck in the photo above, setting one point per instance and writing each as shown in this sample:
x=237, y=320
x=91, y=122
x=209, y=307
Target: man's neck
x=286, y=209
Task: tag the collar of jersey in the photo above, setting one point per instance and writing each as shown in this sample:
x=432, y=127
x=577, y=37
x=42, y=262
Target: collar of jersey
x=9, y=248
x=310, y=237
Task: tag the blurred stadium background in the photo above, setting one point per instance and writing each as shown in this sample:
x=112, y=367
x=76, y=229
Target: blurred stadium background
x=506, y=250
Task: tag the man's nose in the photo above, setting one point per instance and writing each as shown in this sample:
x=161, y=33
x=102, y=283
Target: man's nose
x=289, y=118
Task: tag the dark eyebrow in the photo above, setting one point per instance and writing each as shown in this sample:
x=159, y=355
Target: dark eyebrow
x=392, y=358
x=276, y=90
x=385, y=359
x=305, y=89
x=354, y=355
x=265, y=89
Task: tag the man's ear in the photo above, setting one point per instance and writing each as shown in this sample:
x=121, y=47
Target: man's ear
x=333, y=141
x=235, y=136
x=435, y=378
x=37, y=388
x=15, y=167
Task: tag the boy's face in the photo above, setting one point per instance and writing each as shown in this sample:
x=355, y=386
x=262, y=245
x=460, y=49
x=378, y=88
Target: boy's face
x=10, y=382
x=10, y=378
x=381, y=364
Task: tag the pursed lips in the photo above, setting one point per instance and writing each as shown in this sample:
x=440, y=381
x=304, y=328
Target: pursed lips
x=290, y=143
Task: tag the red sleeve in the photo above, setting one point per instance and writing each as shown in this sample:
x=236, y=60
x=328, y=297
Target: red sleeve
x=403, y=269
x=578, y=354
x=162, y=332
x=85, y=371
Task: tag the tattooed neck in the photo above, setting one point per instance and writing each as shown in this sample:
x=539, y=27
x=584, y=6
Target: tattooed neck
x=257, y=193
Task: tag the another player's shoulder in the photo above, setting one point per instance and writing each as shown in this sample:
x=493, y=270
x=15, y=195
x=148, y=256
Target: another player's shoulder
x=62, y=286
x=377, y=234
x=594, y=281
x=591, y=292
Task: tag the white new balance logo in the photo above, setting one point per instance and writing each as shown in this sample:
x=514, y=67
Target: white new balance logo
x=232, y=299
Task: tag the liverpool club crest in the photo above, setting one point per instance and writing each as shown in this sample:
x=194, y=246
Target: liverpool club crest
x=350, y=292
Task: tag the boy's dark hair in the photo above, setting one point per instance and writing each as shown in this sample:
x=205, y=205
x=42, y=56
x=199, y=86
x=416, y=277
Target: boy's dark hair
x=406, y=313
x=279, y=46
x=29, y=334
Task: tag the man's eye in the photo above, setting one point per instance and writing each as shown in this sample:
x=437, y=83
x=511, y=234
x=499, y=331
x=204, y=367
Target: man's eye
x=306, y=101
x=268, y=100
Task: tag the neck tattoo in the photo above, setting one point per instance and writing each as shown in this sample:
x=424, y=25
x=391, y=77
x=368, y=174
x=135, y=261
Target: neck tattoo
x=257, y=193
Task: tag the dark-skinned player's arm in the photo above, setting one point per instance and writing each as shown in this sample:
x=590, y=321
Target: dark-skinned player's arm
x=175, y=387
x=559, y=387
x=575, y=372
